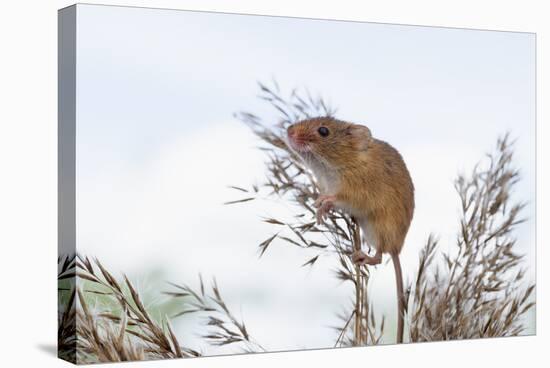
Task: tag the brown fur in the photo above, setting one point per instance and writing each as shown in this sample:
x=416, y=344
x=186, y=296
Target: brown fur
x=379, y=188
x=367, y=177
x=374, y=183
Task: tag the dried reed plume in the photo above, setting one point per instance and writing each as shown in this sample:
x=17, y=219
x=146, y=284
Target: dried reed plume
x=224, y=327
x=123, y=331
x=480, y=291
x=289, y=179
x=66, y=320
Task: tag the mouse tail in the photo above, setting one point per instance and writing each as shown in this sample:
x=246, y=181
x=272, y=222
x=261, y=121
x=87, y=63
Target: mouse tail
x=400, y=296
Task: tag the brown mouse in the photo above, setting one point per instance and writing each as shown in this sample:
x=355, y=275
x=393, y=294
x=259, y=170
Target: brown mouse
x=365, y=177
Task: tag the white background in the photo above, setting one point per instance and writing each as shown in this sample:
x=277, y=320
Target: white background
x=28, y=187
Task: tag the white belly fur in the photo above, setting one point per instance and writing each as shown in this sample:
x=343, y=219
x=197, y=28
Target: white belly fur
x=327, y=179
x=368, y=233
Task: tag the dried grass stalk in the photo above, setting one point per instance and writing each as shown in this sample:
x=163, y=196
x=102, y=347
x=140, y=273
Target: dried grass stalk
x=66, y=297
x=289, y=179
x=113, y=334
x=223, y=327
x=480, y=291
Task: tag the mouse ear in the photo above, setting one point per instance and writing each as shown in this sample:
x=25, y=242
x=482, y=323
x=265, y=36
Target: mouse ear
x=362, y=136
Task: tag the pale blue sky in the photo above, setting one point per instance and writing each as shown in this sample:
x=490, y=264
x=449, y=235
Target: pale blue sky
x=157, y=144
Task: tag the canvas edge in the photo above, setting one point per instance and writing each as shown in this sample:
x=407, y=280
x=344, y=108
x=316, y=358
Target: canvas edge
x=66, y=186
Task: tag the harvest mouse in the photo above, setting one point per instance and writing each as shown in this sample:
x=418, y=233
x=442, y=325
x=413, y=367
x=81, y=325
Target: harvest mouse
x=365, y=177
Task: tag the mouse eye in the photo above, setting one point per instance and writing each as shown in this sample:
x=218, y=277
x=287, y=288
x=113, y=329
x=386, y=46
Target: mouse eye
x=323, y=131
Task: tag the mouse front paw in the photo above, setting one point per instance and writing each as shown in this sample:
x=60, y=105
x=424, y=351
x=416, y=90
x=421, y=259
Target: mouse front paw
x=324, y=205
x=322, y=198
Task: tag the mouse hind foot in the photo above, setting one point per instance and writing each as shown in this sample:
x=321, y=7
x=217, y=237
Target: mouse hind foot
x=361, y=258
